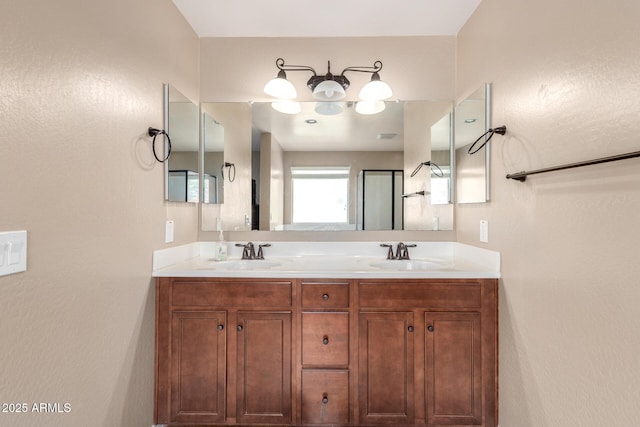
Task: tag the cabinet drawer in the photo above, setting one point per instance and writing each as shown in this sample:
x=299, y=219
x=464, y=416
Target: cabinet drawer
x=325, y=295
x=325, y=397
x=454, y=294
x=325, y=339
x=217, y=293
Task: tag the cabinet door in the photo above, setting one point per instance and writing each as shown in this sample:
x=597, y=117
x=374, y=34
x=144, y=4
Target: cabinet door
x=453, y=368
x=264, y=367
x=198, y=366
x=386, y=360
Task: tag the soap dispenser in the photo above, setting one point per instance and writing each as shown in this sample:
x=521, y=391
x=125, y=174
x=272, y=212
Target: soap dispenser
x=222, y=247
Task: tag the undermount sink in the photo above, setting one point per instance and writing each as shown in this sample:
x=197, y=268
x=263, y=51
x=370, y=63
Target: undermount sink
x=406, y=264
x=246, y=264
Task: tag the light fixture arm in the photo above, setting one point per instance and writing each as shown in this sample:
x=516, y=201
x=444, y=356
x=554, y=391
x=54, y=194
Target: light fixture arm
x=289, y=67
x=377, y=66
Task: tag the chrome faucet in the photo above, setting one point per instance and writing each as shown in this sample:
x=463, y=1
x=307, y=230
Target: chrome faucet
x=249, y=250
x=402, y=250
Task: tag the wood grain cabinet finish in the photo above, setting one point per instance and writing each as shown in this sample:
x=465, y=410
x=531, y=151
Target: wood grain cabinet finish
x=386, y=355
x=325, y=397
x=198, y=340
x=264, y=368
x=325, y=339
x=316, y=352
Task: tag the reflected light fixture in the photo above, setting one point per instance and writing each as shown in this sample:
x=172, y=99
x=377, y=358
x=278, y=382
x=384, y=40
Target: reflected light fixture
x=330, y=87
x=369, y=107
x=328, y=108
x=286, y=106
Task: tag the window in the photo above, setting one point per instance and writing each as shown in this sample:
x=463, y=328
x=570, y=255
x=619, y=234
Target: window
x=319, y=195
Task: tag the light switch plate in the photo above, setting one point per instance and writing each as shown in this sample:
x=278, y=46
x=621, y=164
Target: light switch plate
x=13, y=252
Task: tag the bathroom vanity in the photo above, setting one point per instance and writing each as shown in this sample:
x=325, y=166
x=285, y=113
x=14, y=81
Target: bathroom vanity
x=344, y=340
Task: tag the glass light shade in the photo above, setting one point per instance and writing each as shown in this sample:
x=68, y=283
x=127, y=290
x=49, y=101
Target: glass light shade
x=375, y=90
x=329, y=90
x=369, y=107
x=328, y=108
x=280, y=88
x=286, y=106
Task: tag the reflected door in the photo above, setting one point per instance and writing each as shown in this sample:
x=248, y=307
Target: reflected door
x=380, y=200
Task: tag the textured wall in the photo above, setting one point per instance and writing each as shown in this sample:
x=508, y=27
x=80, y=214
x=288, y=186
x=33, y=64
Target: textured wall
x=565, y=83
x=80, y=82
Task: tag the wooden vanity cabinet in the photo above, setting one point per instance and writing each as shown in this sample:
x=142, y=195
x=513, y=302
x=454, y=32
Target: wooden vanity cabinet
x=428, y=352
x=223, y=351
x=325, y=352
x=320, y=352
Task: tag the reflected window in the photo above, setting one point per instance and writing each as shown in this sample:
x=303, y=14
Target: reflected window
x=440, y=186
x=320, y=195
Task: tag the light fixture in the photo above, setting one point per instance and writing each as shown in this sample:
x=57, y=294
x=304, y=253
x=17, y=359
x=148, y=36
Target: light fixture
x=280, y=87
x=330, y=87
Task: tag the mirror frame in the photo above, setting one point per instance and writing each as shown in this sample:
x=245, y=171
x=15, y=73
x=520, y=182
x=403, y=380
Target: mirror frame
x=487, y=126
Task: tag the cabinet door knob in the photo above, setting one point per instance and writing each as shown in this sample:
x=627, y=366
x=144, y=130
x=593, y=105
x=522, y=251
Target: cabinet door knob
x=325, y=297
x=325, y=398
x=410, y=328
x=430, y=328
x=325, y=340
x=239, y=328
x=220, y=327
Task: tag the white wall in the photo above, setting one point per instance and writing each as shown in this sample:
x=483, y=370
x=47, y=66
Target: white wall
x=81, y=82
x=565, y=83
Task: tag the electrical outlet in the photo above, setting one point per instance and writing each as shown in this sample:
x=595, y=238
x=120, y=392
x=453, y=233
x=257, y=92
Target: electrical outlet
x=484, y=231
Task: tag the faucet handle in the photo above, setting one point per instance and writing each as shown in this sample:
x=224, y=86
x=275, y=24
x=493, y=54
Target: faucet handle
x=390, y=251
x=405, y=250
x=260, y=252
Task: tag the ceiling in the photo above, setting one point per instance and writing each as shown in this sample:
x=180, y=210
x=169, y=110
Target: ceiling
x=329, y=18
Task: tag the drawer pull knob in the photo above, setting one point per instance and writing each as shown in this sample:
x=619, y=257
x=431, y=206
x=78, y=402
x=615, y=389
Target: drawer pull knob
x=325, y=297
x=325, y=398
x=325, y=340
x=410, y=328
x=239, y=328
x=430, y=328
x=220, y=327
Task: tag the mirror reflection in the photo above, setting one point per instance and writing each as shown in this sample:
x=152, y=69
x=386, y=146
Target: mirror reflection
x=441, y=159
x=472, y=170
x=182, y=172
x=349, y=171
x=212, y=168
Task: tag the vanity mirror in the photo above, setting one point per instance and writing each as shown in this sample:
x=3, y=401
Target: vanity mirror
x=279, y=157
x=182, y=179
x=472, y=170
x=297, y=156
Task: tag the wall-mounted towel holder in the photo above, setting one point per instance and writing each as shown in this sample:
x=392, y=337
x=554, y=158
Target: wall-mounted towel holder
x=154, y=133
x=522, y=176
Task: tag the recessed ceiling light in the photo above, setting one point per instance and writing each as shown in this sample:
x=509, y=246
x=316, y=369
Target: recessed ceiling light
x=311, y=121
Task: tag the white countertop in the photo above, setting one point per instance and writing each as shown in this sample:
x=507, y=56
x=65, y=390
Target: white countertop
x=343, y=260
